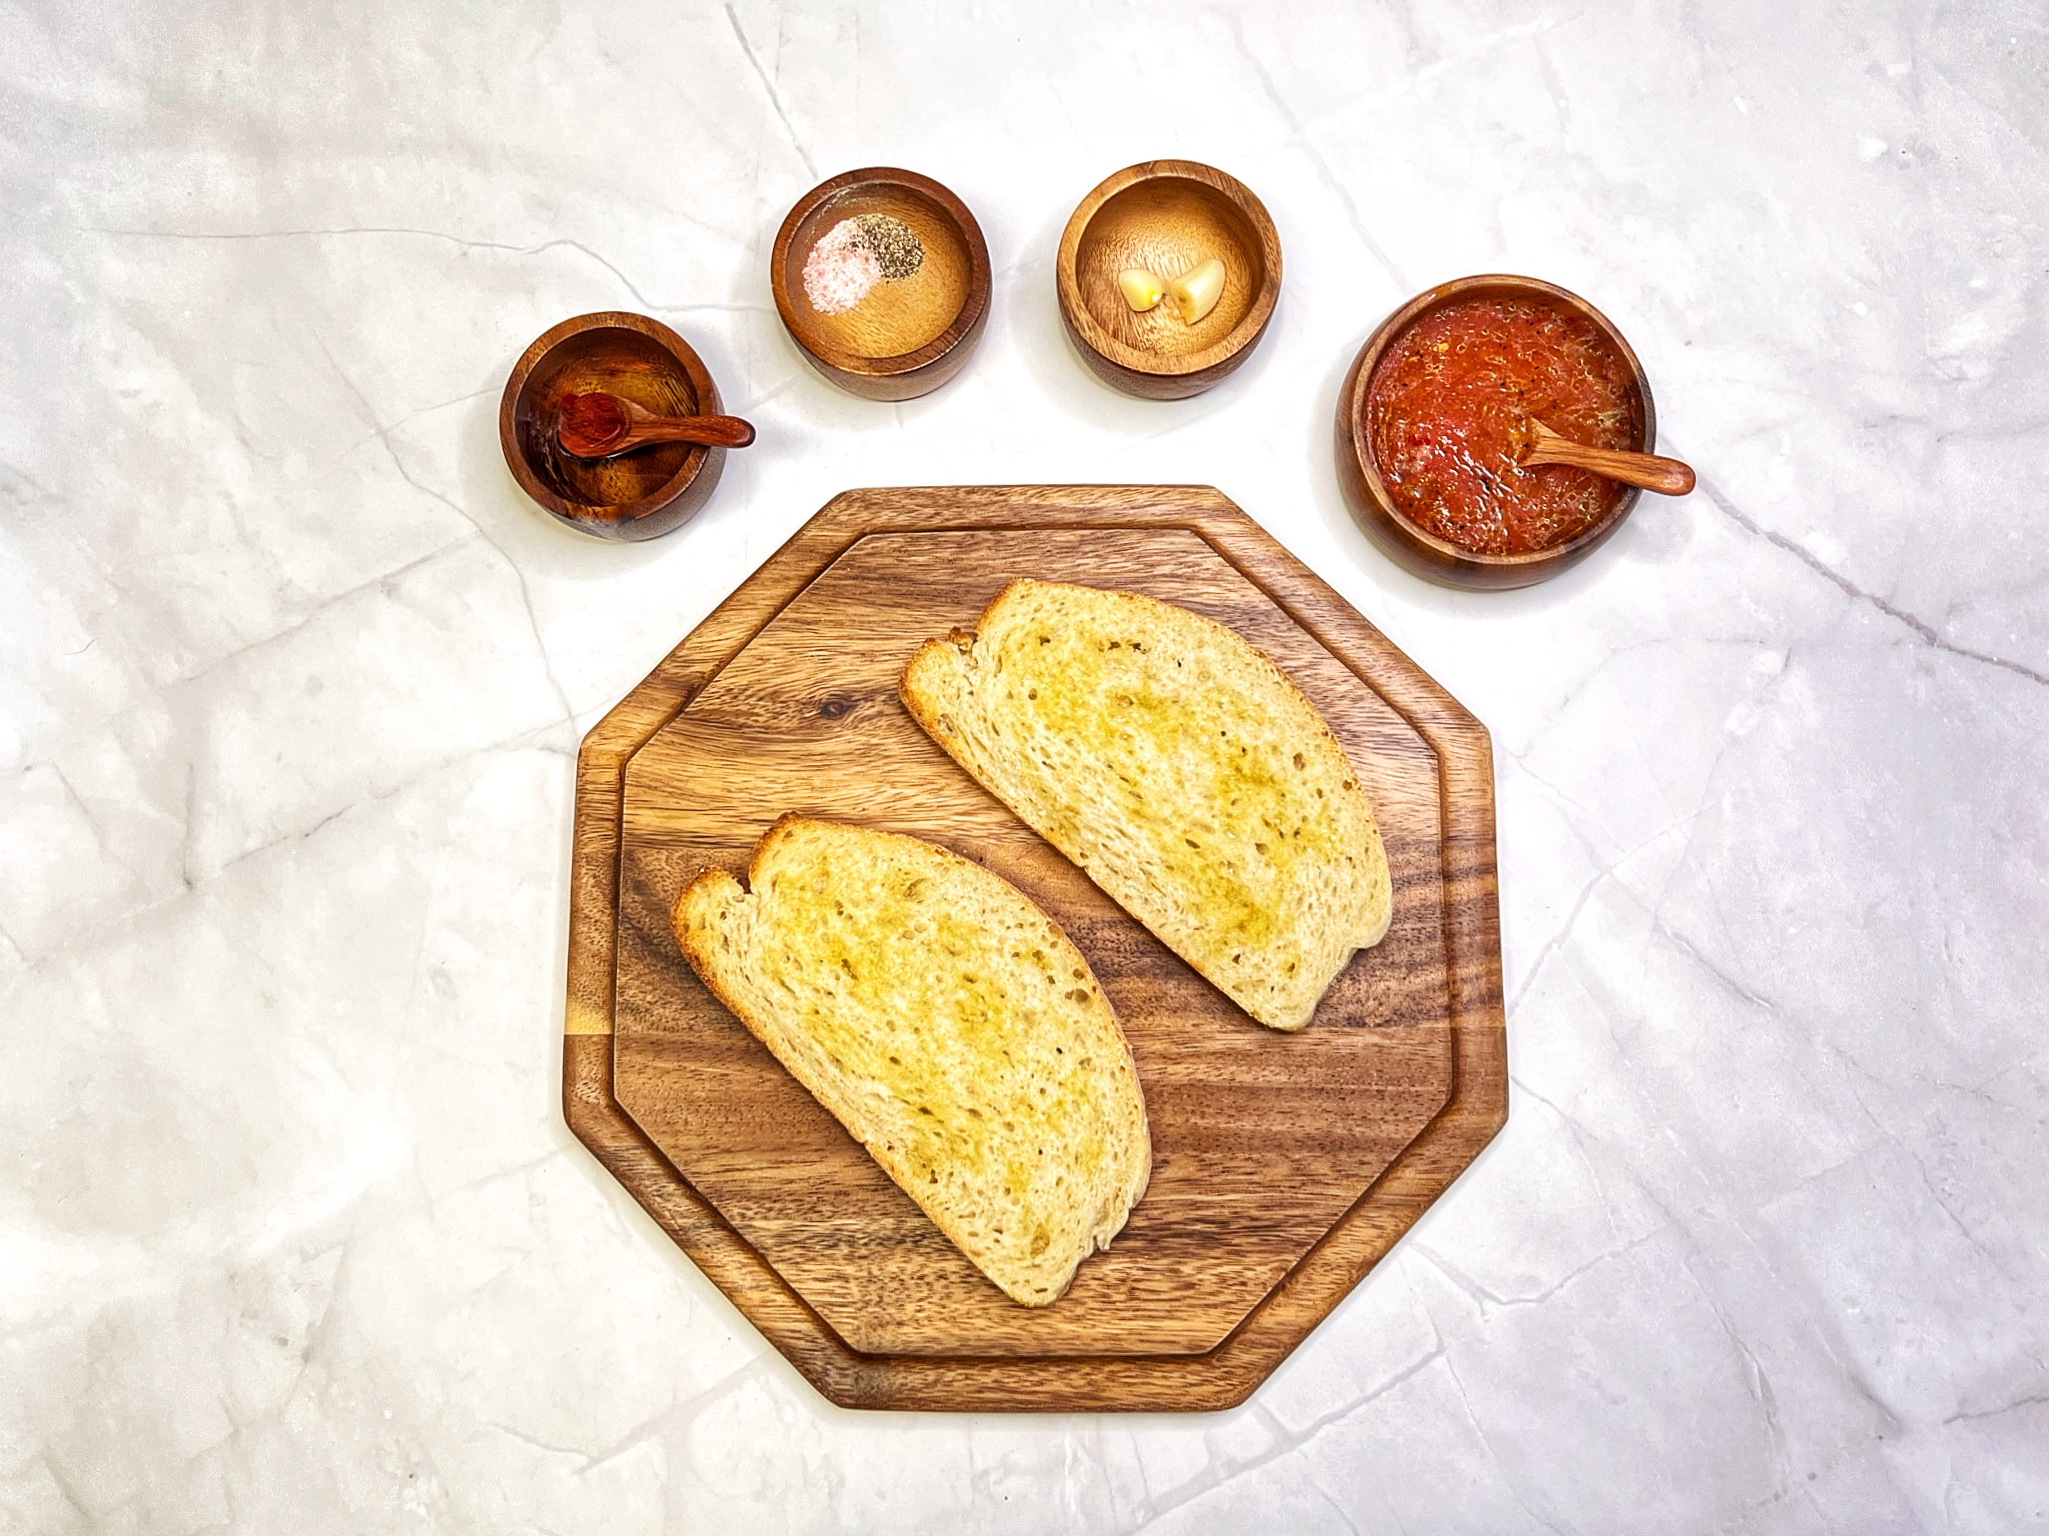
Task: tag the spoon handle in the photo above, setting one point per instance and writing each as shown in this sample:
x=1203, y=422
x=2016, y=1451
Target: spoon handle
x=1650, y=471
x=713, y=431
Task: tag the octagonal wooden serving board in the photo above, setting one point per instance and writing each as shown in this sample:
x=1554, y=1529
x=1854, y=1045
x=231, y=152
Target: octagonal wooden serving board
x=1283, y=1165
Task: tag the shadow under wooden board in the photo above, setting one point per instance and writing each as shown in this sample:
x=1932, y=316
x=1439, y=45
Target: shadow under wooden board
x=1283, y=1165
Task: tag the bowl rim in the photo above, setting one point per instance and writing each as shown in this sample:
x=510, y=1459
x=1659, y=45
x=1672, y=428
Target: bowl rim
x=1251, y=325
x=1353, y=405
x=577, y=325
x=973, y=307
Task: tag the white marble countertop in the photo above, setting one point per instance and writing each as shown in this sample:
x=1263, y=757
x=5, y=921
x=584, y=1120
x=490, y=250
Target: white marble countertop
x=292, y=1234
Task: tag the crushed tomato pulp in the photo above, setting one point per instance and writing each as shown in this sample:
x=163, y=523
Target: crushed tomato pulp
x=1447, y=415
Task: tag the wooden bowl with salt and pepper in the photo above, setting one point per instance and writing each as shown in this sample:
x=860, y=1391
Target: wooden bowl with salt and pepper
x=628, y=495
x=1165, y=220
x=1456, y=405
x=882, y=279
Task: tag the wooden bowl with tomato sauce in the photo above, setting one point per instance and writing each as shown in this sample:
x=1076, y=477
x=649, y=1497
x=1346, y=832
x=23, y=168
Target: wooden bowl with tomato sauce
x=1429, y=417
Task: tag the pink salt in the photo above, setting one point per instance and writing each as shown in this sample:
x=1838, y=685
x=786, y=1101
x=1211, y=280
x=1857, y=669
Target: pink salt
x=840, y=269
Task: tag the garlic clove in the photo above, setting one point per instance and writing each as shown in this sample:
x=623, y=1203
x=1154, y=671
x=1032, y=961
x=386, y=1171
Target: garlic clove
x=1195, y=292
x=1141, y=289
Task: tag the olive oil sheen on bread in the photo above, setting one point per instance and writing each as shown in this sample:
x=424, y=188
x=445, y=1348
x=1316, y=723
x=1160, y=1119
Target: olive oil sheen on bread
x=1180, y=769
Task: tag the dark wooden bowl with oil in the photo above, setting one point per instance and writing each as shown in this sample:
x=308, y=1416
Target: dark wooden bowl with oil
x=906, y=338
x=1417, y=548
x=1167, y=216
x=637, y=495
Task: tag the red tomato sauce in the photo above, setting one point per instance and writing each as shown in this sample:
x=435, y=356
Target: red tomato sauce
x=1446, y=414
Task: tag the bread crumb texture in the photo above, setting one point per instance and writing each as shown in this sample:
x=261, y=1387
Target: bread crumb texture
x=948, y=1024
x=1181, y=769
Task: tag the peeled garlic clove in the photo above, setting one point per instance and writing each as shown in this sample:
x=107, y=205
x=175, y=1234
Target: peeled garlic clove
x=1141, y=289
x=1195, y=292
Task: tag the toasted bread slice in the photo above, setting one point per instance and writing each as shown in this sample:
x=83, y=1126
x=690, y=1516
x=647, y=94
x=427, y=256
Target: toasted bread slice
x=948, y=1024
x=1178, y=767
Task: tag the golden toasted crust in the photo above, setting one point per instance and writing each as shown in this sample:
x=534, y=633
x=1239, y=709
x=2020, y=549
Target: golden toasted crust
x=1181, y=769
x=948, y=1024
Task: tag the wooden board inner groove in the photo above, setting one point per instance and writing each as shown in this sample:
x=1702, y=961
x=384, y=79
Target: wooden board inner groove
x=758, y=739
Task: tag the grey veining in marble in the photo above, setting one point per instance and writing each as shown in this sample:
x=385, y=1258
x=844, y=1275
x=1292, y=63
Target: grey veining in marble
x=292, y=1236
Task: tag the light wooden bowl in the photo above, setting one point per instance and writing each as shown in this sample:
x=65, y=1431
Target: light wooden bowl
x=1167, y=215
x=1424, y=552
x=907, y=338
x=635, y=495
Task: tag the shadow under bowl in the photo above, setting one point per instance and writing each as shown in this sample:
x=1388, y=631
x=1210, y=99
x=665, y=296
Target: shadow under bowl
x=637, y=495
x=1416, y=548
x=903, y=338
x=1167, y=216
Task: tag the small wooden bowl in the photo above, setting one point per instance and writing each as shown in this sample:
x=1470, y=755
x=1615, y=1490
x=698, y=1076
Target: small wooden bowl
x=1167, y=216
x=636, y=495
x=1419, y=550
x=906, y=338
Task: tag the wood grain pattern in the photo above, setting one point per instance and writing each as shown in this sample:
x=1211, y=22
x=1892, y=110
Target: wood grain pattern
x=1167, y=216
x=1418, y=549
x=635, y=496
x=905, y=339
x=599, y=424
x=1645, y=471
x=1284, y=1165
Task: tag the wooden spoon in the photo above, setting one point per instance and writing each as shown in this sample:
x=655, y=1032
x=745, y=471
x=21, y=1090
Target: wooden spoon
x=1650, y=471
x=597, y=424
